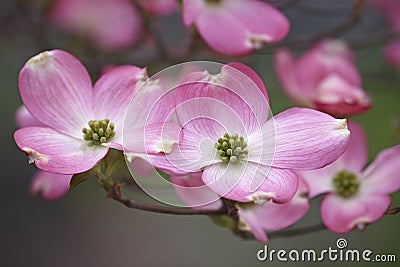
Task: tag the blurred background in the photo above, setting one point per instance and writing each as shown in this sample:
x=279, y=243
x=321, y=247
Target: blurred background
x=85, y=228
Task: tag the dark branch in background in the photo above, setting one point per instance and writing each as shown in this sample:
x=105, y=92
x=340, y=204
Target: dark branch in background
x=352, y=20
x=394, y=210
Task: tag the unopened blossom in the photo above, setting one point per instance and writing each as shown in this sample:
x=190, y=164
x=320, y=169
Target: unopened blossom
x=81, y=121
x=233, y=27
x=245, y=156
x=159, y=7
x=51, y=186
x=254, y=218
x=355, y=196
x=111, y=25
x=324, y=78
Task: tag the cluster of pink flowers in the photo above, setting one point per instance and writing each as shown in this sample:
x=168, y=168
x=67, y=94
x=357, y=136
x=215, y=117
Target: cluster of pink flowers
x=227, y=26
x=212, y=133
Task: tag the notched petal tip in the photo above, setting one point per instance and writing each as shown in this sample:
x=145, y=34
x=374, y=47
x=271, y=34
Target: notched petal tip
x=34, y=156
x=39, y=59
x=260, y=198
x=342, y=126
x=257, y=41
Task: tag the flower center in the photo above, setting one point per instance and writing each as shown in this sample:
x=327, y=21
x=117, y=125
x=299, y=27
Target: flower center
x=99, y=132
x=232, y=148
x=346, y=184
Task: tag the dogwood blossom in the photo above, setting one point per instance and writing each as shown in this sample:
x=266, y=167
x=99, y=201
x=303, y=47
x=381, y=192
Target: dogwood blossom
x=324, y=78
x=244, y=155
x=234, y=27
x=355, y=197
x=81, y=121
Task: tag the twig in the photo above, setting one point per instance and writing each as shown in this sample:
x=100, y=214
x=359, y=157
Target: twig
x=115, y=193
x=353, y=19
x=392, y=211
x=298, y=231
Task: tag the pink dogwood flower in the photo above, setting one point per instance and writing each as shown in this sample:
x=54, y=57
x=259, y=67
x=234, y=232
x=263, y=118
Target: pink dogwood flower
x=81, y=121
x=226, y=131
x=50, y=185
x=111, y=25
x=252, y=217
x=159, y=7
x=356, y=197
x=234, y=27
x=324, y=78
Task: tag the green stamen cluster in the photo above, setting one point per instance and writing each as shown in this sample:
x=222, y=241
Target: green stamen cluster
x=232, y=148
x=346, y=184
x=99, y=132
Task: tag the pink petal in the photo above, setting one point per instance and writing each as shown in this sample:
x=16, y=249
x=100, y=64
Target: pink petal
x=223, y=32
x=341, y=215
x=195, y=193
x=323, y=60
x=50, y=185
x=56, y=89
x=319, y=181
x=191, y=10
x=269, y=24
x=383, y=174
x=250, y=182
x=356, y=155
x=24, y=119
x=250, y=73
x=193, y=153
x=58, y=153
x=353, y=160
x=392, y=52
x=339, y=98
x=246, y=83
x=230, y=98
x=303, y=139
x=152, y=103
x=285, y=66
x=272, y=217
x=212, y=111
x=153, y=138
x=112, y=25
x=113, y=92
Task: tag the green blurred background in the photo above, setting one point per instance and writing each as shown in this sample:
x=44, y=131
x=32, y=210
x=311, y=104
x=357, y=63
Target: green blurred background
x=86, y=229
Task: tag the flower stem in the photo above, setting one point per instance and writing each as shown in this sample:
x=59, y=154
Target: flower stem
x=115, y=193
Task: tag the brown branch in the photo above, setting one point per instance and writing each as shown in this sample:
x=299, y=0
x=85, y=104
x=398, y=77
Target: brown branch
x=115, y=193
x=354, y=17
x=392, y=211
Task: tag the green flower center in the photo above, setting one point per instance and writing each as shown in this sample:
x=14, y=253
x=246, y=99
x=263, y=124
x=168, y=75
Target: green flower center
x=346, y=184
x=232, y=148
x=99, y=132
